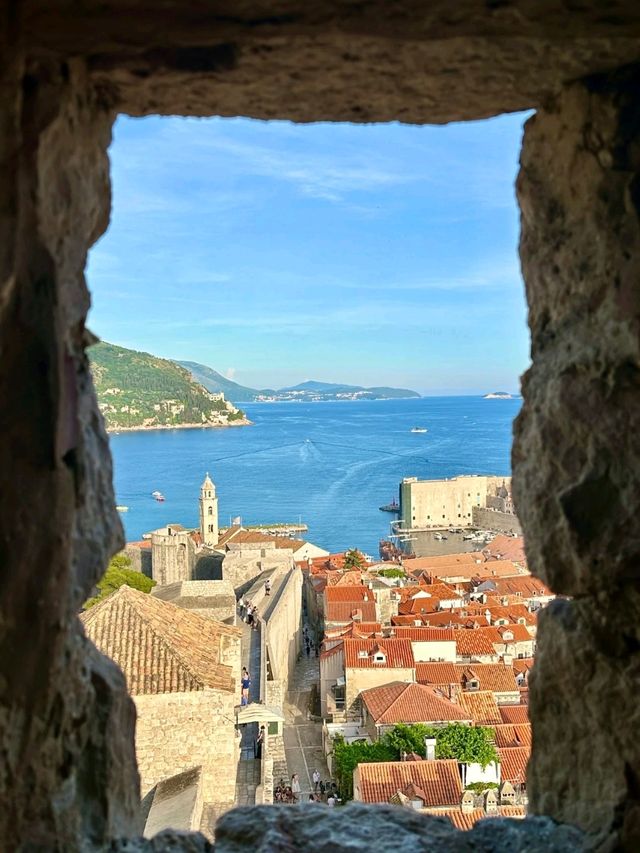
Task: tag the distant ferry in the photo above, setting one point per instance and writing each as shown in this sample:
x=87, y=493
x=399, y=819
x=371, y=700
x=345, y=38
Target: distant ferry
x=394, y=506
x=419, y=429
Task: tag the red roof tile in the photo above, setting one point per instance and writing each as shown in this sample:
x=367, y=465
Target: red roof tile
x=425, y=635
x=359, y=654
x=497, y=677
x=514, y=760
x=507, y=548
x=481, y=706
x=514, y=713
x=508, y=734
x=349, y=611
x=436, y=673
x=348, y=593
x=475, y=642
x=399, y=702
x=439, y=780
x=160, y=648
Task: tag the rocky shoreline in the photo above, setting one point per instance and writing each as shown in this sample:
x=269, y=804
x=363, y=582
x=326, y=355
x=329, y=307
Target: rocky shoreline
x=238, y=423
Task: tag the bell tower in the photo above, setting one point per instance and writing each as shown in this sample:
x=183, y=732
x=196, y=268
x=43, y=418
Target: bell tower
x=208, y=512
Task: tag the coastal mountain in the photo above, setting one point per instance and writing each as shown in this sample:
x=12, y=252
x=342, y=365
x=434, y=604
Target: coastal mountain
x=309, y=391
x=137, y=390
x=217, y=383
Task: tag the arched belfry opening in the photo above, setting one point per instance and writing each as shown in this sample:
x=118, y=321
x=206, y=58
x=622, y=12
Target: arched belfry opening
x=69, y=777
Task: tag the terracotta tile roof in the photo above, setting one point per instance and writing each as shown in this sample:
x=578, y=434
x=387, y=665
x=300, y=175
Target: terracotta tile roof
x=520, y=633
x=522, y=665
x=511, y=613
x=514, y=713
x=338, y=648
x=349, y=611
x=348, y=593
x=497, y=569
x=497, y=677
x=439, y=780
x=425, y=634
x=464, y=821
x=141, y=543
x=346, y=578
x=514, y=760
x=160, y=648
x=228, y=534
x=508, y=734
x=419, y=605
x=398, y=654
x=436, y=673
x=255, y=537
x=448, y=560
x=458, y=617
x=399, y=702
x=354, y=629
x=507, y=548
x=481, y=706
x=434, y=590
x=461, y=820
x=526, y=586
x=475, y=642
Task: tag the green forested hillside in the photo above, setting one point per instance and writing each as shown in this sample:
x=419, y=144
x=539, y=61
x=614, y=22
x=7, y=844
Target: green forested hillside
x=136, y=389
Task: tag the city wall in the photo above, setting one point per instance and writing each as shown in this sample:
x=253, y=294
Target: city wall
x=178, y=731
x=500, y=522
x=242, y=564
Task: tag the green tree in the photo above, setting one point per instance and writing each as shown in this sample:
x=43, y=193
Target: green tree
x=119, y=573
x=405, y=738
x=347, y=756
x=353, y=559
x=392, y=573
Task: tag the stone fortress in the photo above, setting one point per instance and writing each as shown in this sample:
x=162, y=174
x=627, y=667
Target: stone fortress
x=459, y=502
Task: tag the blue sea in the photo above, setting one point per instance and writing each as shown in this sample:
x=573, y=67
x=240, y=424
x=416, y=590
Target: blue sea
x=329, y=465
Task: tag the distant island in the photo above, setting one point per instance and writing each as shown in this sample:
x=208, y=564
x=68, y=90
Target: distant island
x=498, y=395
x=306, y=392
x=137, y=390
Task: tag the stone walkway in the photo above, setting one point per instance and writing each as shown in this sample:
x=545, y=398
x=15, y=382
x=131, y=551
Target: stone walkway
x=303, y=737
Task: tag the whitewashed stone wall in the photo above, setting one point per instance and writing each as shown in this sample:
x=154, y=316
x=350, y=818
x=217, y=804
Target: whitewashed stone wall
x=177, y=731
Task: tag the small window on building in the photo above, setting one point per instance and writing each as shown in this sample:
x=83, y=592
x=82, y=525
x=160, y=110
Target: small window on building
x=210, y=510
x=362, y=654
x=379, y=658
x=211, y=528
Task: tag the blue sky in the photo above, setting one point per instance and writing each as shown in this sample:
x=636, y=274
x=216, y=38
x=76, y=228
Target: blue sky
x=275, y=253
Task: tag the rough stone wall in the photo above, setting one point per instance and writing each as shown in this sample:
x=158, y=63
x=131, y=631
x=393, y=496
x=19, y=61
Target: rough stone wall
x=66, y=725
x=178, y=731
x=140, y=559
x=577, y=451
x=283, y=627
x=499, y=522
x=241, y=564
x=173, y=557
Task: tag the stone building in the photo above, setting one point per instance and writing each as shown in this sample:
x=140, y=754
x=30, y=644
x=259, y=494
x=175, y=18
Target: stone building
x=214, y=599
x=453, y=502
x=208, y=513
x=182, y=671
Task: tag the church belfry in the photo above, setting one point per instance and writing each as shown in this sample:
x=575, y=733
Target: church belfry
x=208, y=512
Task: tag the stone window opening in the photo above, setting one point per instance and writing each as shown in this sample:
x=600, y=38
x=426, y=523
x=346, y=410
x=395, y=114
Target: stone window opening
x=66, y=80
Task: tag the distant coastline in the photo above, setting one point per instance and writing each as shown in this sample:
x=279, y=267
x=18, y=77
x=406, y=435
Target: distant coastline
x=150, y=427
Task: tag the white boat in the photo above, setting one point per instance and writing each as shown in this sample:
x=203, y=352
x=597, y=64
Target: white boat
x=156, y=494
x=419, y=429
x=437, y=536
x=122, y=508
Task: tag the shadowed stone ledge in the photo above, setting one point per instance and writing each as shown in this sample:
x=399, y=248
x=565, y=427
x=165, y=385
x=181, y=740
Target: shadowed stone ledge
x=357, y=827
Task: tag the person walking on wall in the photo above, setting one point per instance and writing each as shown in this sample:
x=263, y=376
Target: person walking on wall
x=259, y=742
x=316, y=779
x=295, y=787
x=267, y=587
x=245, y=682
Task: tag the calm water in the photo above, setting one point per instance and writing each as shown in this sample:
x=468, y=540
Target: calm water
x=330, y=464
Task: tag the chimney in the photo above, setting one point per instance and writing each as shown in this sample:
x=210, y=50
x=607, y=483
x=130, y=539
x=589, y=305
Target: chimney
x=430, y=748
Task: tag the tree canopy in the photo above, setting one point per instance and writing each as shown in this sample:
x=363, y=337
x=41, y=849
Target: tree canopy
x=119, y=573
x=354, y=559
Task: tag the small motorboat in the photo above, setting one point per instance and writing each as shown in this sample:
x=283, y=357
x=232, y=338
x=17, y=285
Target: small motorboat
x=394, y=506
x=419, y=429
x=122, y=508
x=160, y=498
x=156, y=494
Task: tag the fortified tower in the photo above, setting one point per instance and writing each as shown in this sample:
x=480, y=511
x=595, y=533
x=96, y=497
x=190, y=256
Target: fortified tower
x=208, y=512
